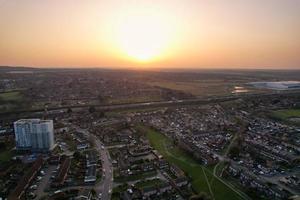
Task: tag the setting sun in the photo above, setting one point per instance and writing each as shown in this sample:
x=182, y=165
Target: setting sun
x=143, y=38
x=150, y=34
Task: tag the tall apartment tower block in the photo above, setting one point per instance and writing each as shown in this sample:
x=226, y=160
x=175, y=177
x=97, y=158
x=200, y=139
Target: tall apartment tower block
x=34, y=134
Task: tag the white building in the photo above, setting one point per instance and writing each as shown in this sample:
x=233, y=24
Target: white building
x=34, y=134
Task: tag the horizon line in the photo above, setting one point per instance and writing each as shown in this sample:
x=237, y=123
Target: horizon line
x=153, y=68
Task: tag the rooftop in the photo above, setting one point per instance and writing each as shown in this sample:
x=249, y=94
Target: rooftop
x=36, y=121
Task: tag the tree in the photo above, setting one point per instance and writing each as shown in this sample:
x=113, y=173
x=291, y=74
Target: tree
x=2, y=145
x=234, y=151
x=99, y=114
x=93, y=192
x=92, y=109
x=69, y=110
x=76, y=155
x=101, y=98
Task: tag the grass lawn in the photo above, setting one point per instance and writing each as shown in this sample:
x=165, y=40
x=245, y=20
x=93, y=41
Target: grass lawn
x=71, y=143
x=11, y=96
x=287, y=113
x=148, y=183
x=137, y=99
x=135, y=177
x=10, y=101
x=197, y=88
x=117, y=190
x=6, y=155
x=202, y=177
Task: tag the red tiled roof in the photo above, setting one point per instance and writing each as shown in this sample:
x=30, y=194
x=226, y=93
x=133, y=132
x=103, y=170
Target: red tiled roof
x=63, y=170
x=26, y=180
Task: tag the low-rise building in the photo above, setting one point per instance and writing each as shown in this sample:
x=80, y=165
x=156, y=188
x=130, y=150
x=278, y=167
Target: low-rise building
x=84, y=195
x=90, y=175
x=26, y=180
x=62, y=172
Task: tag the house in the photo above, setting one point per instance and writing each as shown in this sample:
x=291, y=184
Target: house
x=62, y=172
x=164, y=187
x=176, y=171
x=162, y=164
x=181, y=181
x=147, y=167
x=82, y=146
x=157, y=154
x=53, y=160
x=26, y=180
x=84, y=195
x=148, y=191
x=91, y=158
x=90, y=175
x=233, y=171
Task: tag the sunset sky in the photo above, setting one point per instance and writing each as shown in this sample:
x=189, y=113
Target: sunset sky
x=150, y=33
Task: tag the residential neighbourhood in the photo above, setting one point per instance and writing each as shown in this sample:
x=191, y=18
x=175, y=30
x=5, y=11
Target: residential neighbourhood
x=246, y=146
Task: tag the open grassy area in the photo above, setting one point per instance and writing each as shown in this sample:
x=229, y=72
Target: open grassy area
x=148, y=183
x=136, y=99
x=286, y=114
x=135, y=177
x=6, y=155
x=291, y=116
x=197, y=88
x=12, y=100
x=11, y=96
x=71, y=143
x=203, y=179
x=6, y=150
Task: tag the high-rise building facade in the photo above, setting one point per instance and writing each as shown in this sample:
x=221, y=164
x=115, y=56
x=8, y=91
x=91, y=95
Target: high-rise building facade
x=34, y=134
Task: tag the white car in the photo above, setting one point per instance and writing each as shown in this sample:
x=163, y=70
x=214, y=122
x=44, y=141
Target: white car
x=33, y=187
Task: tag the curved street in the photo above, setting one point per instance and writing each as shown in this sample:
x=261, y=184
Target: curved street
x=104, y=187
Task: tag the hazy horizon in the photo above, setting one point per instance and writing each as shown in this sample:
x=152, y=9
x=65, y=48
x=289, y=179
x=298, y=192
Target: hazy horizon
x=164, y=69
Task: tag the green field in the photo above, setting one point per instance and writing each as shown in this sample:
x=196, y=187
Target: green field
x=6, y=155
x=10, y=96
x=135, y=177
x=148, y=183
x=10, y=101
x=286, y=114
x=136, y=99
x=197, y=88
x=202, y=177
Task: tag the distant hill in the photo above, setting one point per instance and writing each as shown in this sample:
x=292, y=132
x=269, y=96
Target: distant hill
x=10, y=68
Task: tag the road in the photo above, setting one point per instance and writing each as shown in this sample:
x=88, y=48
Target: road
x=153, y=104
x=104, y=187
